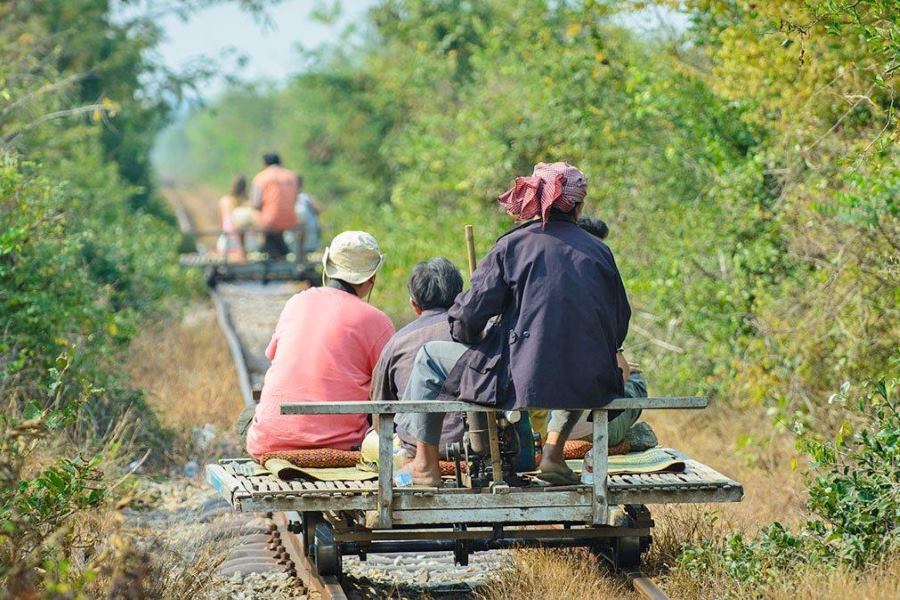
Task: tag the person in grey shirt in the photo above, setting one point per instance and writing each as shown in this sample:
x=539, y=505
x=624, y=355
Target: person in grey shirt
x=433, y=286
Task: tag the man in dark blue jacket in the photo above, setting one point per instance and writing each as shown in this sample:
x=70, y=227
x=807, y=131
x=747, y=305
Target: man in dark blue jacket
x=539, y=328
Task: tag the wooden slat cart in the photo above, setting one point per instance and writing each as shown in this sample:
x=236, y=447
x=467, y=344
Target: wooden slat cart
x=219, y=267
x=350, y=517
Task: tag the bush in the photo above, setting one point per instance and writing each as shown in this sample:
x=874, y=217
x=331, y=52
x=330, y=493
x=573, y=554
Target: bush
x=854, y=501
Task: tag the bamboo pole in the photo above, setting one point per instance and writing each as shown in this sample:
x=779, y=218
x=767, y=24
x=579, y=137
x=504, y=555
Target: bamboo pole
x=493, y=435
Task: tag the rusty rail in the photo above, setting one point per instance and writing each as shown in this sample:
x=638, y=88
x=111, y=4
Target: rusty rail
x=329, y=588
x=645, y=586
x=234, y=345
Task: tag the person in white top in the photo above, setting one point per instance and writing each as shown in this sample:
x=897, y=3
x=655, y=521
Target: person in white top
x=308, y=210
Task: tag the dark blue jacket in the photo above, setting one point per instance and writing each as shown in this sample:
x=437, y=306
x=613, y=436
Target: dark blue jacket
x=562, y=314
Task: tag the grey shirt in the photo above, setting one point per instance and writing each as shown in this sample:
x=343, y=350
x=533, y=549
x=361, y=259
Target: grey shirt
x=395, y=364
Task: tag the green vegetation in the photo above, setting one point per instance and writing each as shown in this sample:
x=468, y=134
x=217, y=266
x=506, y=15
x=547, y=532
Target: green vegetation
x=87, y=250
x=852, y=499
x=748, y=168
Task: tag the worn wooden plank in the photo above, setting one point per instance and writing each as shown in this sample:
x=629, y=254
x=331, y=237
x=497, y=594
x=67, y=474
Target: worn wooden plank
x=385, y=469
x=600, y=460
x=511, y=532
x=324, y=500
x=228, y=486
x=578, y=513
x=321, y=503
x=675, y=495
x=581, y=512
x=434, y=406
x=441, y=501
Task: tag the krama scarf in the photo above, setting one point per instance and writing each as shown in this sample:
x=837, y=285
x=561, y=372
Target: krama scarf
x=552, y=185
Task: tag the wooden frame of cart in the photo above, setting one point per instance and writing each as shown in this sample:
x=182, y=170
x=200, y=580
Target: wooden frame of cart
x=351, y=517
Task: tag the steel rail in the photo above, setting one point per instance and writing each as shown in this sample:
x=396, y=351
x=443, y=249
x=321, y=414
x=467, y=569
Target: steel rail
x=185, y=224
x=329, y=588
x=645, y=586
x=234, y=345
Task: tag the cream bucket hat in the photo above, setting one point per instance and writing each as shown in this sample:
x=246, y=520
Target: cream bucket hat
x=353, y=256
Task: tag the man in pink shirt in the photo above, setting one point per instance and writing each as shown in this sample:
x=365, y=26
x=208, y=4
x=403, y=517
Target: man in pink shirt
x=274, y=192
x=325, y=347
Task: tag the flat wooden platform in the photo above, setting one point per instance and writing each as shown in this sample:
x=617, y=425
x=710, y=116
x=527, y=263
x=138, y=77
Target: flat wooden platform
x=220, y=269
x=234, y=479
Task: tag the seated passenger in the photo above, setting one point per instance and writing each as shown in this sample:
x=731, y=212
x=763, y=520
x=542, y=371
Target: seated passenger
x=274, y=191
x=325, y=346
x=433, y=285
x=619, y=421
x=232, y=213
x=635, y=385
x=563, y=314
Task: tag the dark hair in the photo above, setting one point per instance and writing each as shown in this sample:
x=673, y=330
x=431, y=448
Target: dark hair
x=239, y=186
x=271, y=158
x=434, y=283
x=300, y=180
x=595, y=227
x=567, y=213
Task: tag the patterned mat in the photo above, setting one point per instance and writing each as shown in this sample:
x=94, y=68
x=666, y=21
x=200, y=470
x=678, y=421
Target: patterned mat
x=578, y=448
x=654, y=460
x=316, y=458
x=308, y=461
x=323, y=463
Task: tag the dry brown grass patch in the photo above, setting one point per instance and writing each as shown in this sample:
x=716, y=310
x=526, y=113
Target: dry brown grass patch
x=187, y=373
x=773, y=490
x=676, y=526
x=805, y=582
x=539, y=574
x=876, y=583
x=142, y=563
x=201, y=204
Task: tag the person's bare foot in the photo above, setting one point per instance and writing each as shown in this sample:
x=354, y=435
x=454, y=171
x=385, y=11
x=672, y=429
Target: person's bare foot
x=423, y=473
x=425, y=468
x=551, y=464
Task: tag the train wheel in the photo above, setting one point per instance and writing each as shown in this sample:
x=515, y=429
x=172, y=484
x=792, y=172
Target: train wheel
x=461, y=548
x=626, y=552
x=326, y=554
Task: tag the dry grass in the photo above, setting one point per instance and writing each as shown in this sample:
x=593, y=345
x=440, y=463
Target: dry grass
x=542, y=574
x=772, y=488
x=138, y=564
x=187, y=374
x=773, y=491
x=200, y=202
x=879, y=582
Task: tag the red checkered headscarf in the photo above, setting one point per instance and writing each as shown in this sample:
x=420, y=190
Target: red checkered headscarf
x=552, y=185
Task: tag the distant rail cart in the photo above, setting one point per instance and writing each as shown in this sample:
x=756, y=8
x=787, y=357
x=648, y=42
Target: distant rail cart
x=218, y=267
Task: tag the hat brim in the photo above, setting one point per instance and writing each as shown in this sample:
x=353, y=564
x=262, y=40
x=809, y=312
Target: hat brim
x=355, y=277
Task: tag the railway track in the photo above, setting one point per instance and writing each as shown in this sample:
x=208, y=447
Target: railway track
x=247, y=312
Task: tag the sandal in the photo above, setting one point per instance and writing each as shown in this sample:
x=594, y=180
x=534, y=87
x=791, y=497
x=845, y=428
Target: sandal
x=568, y=477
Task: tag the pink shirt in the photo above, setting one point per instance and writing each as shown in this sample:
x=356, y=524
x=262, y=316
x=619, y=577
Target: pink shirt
x=325, y=346
x=275, y=189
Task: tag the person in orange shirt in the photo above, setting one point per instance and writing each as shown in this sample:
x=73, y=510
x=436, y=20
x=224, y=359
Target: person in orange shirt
x=325, y=347
x=274, y=192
